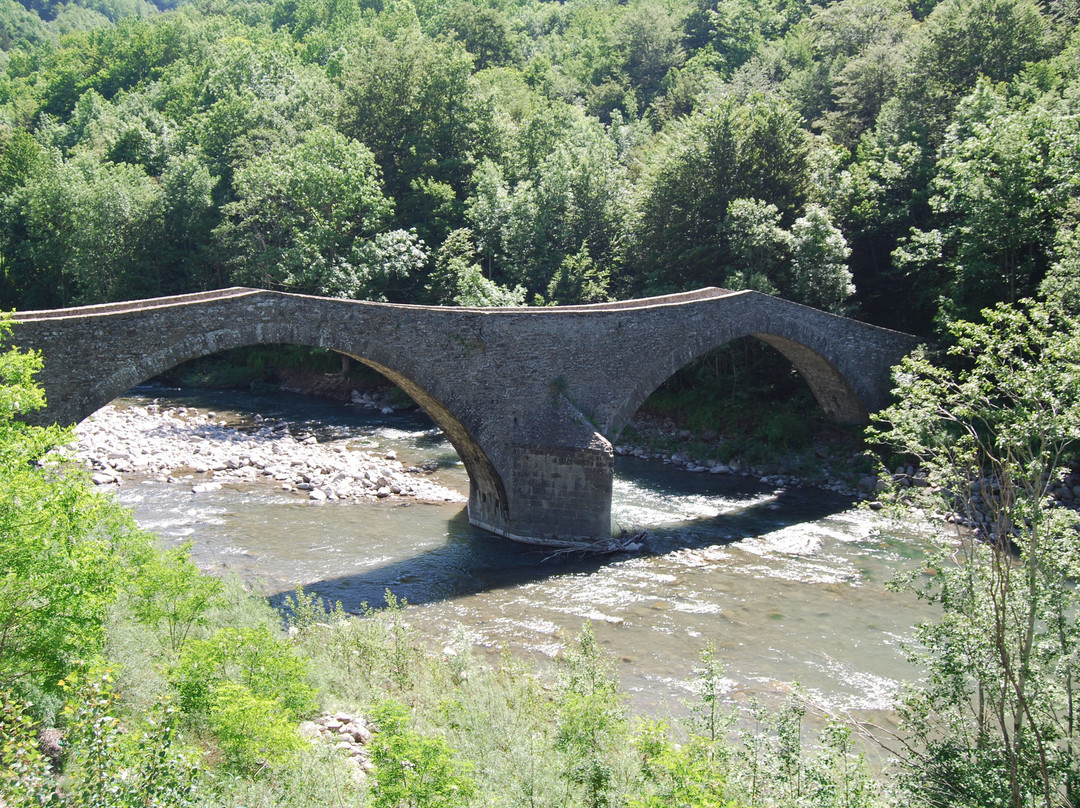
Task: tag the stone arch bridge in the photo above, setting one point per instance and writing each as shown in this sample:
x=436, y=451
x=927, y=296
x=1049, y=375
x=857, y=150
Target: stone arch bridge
x=531, y=398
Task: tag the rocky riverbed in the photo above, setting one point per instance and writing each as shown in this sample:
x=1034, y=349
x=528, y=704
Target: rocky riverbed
x=193, y=448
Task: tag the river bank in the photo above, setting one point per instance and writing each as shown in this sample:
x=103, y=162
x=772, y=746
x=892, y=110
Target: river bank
x=788, y=583
x=846, y=472
x=198, y=450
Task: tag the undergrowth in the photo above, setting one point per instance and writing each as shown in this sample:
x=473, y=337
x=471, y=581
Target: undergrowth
x=214, y=723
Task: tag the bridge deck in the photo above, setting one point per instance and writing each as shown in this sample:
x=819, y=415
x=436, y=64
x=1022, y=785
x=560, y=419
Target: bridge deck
x=125, y=307
x=133, y=305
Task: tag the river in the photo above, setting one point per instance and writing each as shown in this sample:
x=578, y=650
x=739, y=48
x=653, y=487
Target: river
x=790, y=584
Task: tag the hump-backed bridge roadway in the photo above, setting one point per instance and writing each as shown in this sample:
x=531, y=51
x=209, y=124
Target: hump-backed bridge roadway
x=531, y=398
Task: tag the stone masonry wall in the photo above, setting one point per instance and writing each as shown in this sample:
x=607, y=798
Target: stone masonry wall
x=530, y=398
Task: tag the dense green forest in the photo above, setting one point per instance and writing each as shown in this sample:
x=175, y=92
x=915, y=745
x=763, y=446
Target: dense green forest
x=891, y=160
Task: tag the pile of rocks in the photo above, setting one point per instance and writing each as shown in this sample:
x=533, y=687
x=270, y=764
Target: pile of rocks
x=371, y=401
x=182, y=445
x=1067, y=490
x=347, y=732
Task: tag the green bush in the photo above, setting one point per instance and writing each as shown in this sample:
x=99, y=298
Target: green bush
x=254, y=657
x=591, y=721
x=369, y=656
x=252, y=731
x=785, y=430
x=414, y=770
x=171, y=592
x=688, y=776
x=993, y=721
x=116, y=763
x=65, y=551
x=25, y=777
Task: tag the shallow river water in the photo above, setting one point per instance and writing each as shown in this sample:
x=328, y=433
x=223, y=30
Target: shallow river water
x=789, y=583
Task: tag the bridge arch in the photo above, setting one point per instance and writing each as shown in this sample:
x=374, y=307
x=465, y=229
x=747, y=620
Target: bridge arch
x=486, y=489
x=831, y=388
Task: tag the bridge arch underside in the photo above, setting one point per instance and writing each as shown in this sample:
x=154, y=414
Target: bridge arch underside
x=831, y=389
x=487, y=492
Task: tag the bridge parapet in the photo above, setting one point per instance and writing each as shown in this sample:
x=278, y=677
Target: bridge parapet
x=530, y=398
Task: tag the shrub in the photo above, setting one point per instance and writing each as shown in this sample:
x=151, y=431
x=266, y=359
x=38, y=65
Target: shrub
x=252, y=731
x=254, y=657
x=25, y=778
x=141, y=764
x=413, y=770
x=590, y=720
x=688, y=776
x=64, y=550
x=170, y=590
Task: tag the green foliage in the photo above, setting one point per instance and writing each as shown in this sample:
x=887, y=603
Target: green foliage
x=25, y=776
x=562, y=200
x=88, y=230
x=760, y=247
x=750, y=148
x=590, y=720
x=307, y=217
x=992, y=722
x=686, y=776
x=413, y=102
x=64, y=550
x=648, y=41
x=961, y=41
x=708, y=717
x=996, y=184
x=819, y=273
x=807, y=264
x=771, y=765
x=121, y=764
x=1062, y=283
x=367, y=657
x=484, y=31
x=254, y=657
x=171, y=591
x=414, y=770
x=579, y=280
x=252, y=730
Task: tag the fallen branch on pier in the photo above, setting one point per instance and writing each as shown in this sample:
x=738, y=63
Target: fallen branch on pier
x=623, y=543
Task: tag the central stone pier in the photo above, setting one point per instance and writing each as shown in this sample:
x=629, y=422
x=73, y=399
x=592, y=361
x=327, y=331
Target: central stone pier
x=531, y=398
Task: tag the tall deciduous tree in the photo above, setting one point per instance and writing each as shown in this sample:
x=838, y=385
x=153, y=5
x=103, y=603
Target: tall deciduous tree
x=962, y=40
x=312, y=218
x=819, y=273
x=994, y=204
x=413, y=102
x=568, y=200
x=994, y=721
x=85, y=231
x=748, y=148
